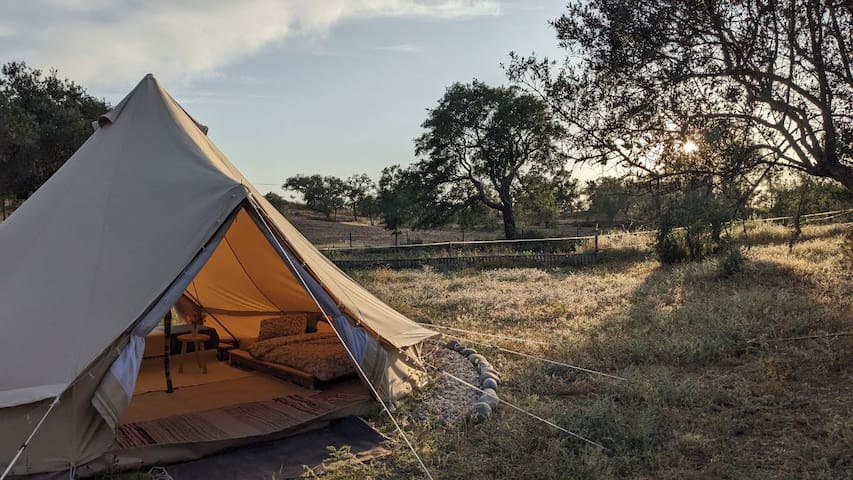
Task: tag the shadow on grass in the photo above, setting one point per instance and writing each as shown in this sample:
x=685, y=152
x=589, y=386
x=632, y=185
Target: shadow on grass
x=711, y=395
x=685, y=314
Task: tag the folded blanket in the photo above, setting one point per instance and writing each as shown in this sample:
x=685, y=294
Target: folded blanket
x=320, y=354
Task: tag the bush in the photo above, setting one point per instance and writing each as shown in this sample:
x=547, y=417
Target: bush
x=733, y=261
x=670, y=246
x=702, y=215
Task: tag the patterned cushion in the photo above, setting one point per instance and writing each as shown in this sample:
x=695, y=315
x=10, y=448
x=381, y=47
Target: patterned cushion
x=262, y=347
x=290, y=324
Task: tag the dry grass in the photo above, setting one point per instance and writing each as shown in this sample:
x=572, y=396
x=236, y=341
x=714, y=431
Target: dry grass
x=713, y=393
x=326, y=233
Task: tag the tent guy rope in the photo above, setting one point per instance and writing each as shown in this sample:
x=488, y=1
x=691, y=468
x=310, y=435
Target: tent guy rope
x=519, y=409
x=541, y=359
x=502, y=337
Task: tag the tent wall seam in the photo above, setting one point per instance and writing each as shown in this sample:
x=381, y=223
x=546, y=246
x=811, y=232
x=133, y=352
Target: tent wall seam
x=243, y=267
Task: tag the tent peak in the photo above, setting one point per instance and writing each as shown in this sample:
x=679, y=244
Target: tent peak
x=148, y=90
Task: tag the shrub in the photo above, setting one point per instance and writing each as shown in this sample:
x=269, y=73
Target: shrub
x=733, y=261
x=670, y=246
x=702, y=214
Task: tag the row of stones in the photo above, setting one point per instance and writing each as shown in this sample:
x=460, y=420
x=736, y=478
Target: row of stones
x=489, y=380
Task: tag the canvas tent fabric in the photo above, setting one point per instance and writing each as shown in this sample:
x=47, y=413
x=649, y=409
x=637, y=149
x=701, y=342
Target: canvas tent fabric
x=132, y=216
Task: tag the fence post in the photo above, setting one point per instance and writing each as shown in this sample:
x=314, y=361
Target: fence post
x=596, y=243
x=350, y=239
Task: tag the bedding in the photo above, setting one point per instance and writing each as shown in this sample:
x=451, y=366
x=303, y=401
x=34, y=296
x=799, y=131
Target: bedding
x=319, y=354
x=286, y=325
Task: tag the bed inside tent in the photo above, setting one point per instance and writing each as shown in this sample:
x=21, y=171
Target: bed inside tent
x=264, y=378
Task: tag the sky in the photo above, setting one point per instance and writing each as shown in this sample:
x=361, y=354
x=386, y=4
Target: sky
x=334, y=87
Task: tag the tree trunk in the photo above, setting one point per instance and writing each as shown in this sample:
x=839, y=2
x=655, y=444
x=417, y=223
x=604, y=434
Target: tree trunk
x=509, y=222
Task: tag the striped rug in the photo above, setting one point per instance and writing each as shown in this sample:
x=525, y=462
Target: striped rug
x=236, y=421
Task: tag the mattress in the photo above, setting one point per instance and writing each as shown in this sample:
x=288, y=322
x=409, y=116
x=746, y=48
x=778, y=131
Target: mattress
x=320, y=354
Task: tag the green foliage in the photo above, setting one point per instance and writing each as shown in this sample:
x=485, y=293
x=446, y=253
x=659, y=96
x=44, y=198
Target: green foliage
x=369, y=207
x=357, y=189
x=326, y=194
x=691, y=225
x=732, y=262
x=43, y=120
x=278, y=202
x=472, y=216
x=609, y=197
x=786, y=196
x=478, y=144
x=670, y=246
x=642, y=77
x=542, y=197
x=398, y=197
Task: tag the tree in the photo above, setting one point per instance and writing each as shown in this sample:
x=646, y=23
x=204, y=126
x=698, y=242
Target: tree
x=43, y=120
x=358, y=188
x=543, y=196
x=642, y=75
x=277, y=201
x=397, y=198
x=370, y=207
x=479, y=141
x=473, y=216
x=806, y=194
x=336, y=191
x=608, y=197
x=322, y=194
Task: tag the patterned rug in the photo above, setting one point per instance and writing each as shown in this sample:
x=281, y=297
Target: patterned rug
x=236, y=421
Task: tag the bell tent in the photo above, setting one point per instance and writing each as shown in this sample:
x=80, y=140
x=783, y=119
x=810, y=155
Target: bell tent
x=148, y=211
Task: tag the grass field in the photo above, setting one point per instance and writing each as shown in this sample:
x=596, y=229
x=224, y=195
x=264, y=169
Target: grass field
x=715, y=390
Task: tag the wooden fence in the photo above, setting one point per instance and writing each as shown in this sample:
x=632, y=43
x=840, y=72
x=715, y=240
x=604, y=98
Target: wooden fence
x=516, y=260
x=540, y=252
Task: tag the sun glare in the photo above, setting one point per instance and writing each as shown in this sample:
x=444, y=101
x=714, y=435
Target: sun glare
x=690, y=146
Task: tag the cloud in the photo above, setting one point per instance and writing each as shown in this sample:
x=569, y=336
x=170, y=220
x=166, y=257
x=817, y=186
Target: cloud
x=99, y=43
x=400, y=48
